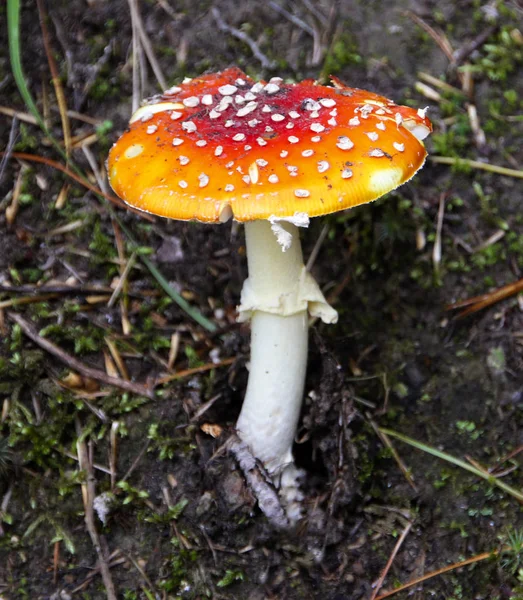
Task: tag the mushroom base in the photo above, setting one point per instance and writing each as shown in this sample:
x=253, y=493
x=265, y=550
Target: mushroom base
x=272, y=403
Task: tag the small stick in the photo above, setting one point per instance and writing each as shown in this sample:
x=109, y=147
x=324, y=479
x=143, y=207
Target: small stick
x=146, y=44
x=292, y=18
x=18, y=115
x=56, y=560
x=193, y=371
x=173, y=349
x=136, y=461
x=89, y=494
x=122, y=280
x=92, y=188
x=55, y=78
x=13, y=133
x=317, y=246
x=266, y=63
x=458, y=565
x=12, y=210
x=479, y=302
x=26, y=300
x=476, y=164
x=75, y=364
x=398, y=545
x=386, y=442
x=113, y=458
x=436, y=251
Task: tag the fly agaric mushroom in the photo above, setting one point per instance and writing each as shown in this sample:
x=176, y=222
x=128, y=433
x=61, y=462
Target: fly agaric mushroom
x=270, y=155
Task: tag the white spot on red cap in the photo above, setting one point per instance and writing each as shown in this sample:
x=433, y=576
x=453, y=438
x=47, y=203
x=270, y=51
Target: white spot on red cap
x=151, y=129
x=248, y=108
x=317, y=127
x=218, y=151
x=316, y=139
x=376, y=153
x=201, y=143
x=271, y=88
x=189, y=126
x=184, y=160
x=372, y=135
x=346, y=174
x=191, y=101
x=239, y=137
x=229, y=187
x=398, y=146
x=173, y=90
x=328, y=102
x=344, y=143
x=284, y=153
x=227, y=90
x=381, y=125
x=261, y=141
x=277, y=117
x=207, y=99
x=307, y=153
x=177, y=142
x=323, y=166
x=310, y=104
x=294, y=115
x=175, y=115
x=354, y=121
x=293, y=139
x=183, y=184
x=273, y=178
x=203, y=179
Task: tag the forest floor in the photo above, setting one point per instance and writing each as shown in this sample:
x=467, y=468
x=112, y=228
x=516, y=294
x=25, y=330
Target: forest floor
x=182, y=522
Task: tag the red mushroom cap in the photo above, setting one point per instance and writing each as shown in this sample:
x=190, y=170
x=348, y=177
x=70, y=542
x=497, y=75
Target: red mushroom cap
x=221, y=146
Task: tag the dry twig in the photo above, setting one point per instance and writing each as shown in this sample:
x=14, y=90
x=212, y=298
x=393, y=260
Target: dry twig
x=76, y=365
x=89, y=494
x=266, y=63
x=398, y=545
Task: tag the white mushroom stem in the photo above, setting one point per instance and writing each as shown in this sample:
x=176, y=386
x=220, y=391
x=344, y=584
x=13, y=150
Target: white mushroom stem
x=277, y=297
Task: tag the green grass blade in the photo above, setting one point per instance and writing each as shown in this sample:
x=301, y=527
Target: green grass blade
x=494, y=481
x=172, y=293
x=194, y=313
